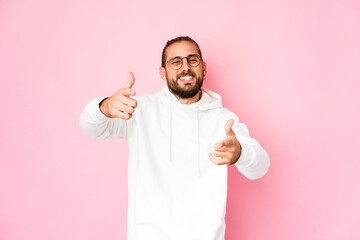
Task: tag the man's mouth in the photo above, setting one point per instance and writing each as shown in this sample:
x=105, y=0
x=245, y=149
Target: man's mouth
x=187, y=79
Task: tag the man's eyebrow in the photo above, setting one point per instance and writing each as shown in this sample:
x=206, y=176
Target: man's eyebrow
x=174, y=57
x=190, y=55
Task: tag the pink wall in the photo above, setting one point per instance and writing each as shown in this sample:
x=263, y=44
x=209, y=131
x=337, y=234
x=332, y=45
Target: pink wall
x=289, y=69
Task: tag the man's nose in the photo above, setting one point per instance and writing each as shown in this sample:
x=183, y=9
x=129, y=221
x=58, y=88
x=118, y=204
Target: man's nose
x=185, y=65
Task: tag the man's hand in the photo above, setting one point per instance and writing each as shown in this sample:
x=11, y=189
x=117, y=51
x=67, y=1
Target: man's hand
x=121, y=105
x=227, y=151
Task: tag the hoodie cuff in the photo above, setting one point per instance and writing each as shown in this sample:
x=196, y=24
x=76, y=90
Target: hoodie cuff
x=246, y=157
x=94, y=108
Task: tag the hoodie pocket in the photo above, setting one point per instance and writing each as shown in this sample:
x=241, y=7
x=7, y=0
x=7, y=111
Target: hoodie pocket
x=190, y=217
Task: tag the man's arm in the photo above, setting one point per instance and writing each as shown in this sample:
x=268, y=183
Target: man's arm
x=254, y=161
x=105, y=118
x=240, y=149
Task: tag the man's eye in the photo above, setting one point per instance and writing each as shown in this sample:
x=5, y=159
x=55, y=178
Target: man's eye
x=176, y=62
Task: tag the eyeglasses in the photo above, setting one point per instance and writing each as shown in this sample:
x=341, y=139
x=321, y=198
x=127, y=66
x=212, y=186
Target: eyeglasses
x=177, y=62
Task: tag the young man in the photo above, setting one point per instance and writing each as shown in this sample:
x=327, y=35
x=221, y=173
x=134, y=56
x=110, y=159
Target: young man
x=180, y=140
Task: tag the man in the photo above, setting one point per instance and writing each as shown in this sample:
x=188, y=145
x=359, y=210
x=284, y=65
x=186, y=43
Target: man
x=180, y=142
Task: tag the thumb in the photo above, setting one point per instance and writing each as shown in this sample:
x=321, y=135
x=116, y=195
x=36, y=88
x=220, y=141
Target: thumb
x=130, y=80
x=228, y=127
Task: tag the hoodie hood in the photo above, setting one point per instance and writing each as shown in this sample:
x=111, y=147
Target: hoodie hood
x=209, y=100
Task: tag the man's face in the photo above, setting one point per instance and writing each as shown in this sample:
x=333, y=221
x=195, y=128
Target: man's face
x=187, y=80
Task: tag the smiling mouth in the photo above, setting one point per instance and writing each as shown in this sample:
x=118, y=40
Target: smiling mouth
x=186, y=79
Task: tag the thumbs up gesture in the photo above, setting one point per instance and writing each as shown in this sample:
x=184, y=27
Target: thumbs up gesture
x=227, y=151
x=120, y=104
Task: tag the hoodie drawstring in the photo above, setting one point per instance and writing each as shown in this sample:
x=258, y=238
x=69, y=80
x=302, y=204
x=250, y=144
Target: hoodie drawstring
x=197, y=137
x=170, y=130
x=197, y=143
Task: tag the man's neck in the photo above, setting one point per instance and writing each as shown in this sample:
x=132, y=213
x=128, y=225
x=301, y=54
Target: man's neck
x=192, y=100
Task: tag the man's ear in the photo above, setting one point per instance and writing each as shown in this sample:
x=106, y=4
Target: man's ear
x=204, y=68
x=162, y=72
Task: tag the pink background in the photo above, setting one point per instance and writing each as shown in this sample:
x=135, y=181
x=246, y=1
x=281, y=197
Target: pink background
x=289, y=69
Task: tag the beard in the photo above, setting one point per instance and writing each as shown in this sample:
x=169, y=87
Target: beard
x=187, y=91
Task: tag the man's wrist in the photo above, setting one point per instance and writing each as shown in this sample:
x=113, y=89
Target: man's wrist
x=101, y=105
x=238, y=157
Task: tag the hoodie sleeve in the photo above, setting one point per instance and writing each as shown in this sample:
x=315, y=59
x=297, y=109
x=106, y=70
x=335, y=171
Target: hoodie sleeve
x=254, y=161
x=99, y=126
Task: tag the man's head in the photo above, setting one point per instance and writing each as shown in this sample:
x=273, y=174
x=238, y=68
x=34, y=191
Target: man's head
x=182, y=67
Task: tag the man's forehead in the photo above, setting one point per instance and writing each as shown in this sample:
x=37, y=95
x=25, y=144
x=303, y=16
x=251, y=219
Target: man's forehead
x=181, y=49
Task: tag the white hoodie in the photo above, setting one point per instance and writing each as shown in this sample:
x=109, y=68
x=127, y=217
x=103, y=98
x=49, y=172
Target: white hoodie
x=175, y=191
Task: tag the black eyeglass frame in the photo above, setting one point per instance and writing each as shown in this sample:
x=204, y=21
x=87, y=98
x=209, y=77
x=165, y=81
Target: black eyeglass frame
x=187, y=58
